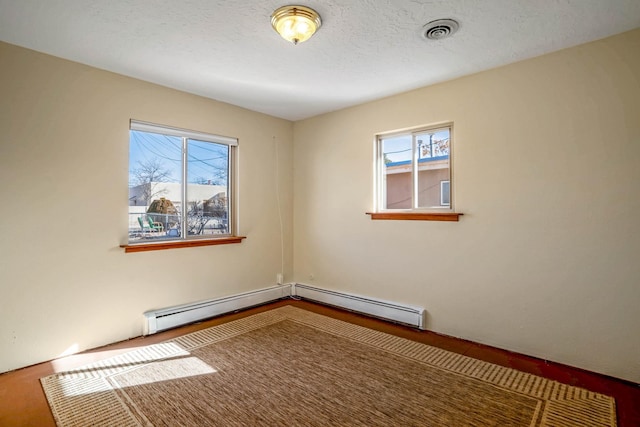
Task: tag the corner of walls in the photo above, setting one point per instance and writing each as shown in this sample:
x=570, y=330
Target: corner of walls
x=545, y=171
x=65, y=153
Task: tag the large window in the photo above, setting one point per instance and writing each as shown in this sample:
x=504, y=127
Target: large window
x=180, y=184
x=414, y=170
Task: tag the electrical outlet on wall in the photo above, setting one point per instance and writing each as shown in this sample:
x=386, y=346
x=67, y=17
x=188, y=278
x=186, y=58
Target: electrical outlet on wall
x=279, y=278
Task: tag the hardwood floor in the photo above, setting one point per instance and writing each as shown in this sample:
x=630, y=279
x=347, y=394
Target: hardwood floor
x=22, y=401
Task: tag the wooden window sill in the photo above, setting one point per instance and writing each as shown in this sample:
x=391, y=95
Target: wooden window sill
x=143, y=247
x=417, y=216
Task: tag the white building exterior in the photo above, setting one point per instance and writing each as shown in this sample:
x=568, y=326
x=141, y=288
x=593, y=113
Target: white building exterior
x=172, y=191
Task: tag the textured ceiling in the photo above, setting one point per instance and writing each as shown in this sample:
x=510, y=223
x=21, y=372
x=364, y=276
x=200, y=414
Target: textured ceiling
x=366, y=49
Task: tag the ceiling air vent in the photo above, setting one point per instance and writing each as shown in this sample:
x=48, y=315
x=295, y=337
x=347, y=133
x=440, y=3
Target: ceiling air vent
x=439, y=29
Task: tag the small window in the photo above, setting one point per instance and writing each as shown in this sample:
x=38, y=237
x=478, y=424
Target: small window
x=180, y=184
x=444, y=193
x=414, y=170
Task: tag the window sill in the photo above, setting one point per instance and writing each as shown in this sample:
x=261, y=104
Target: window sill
x=143, y=247
x=417, y=216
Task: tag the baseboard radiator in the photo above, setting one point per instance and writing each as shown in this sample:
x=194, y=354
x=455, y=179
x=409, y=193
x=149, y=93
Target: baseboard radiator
x=409, y=315
x=167, y=318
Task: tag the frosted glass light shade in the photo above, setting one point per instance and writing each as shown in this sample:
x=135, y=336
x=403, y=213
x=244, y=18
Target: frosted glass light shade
x=295, y=23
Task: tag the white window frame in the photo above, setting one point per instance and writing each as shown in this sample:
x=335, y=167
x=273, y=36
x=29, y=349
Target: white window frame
x=232, y=195
x=380, y=180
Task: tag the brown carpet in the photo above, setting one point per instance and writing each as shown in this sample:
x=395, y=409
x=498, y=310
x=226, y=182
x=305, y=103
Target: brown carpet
x=291, y=367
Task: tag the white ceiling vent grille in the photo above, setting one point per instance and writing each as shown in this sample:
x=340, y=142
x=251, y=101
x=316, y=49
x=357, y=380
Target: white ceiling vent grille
x=439, y=29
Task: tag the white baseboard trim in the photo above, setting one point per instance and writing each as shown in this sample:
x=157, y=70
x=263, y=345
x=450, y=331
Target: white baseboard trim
x=171, y=317
x=401, y=313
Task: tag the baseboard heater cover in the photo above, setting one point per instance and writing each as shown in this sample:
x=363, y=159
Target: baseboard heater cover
x=167, y=318
x=171, y=317
x=409, y=315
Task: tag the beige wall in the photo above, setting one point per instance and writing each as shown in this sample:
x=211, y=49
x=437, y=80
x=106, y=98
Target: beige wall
x=546, y=169
x=64, y=281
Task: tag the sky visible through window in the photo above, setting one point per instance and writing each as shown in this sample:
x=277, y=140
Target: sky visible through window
x=207, y=162
x=398, y=148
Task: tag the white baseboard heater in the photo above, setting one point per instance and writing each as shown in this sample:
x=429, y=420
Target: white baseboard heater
x=409, y=315
x=167, y=318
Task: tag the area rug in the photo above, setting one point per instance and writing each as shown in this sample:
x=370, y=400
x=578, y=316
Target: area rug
x=292, y=367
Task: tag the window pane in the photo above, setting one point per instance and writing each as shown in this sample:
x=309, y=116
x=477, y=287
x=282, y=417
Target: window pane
x=207, y=188
x=433, y=167
x=445, y=193
x=396, y=172
x=154, y=185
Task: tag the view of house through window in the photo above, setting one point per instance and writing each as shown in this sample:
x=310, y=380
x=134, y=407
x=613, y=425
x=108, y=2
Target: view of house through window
x=179, y=183
x=414, y=170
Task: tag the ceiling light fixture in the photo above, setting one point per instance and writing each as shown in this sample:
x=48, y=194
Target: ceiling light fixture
x=295, y=23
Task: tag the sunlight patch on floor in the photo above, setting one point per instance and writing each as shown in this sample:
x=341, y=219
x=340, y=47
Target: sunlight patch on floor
x=166, y=370
x=145, y=365
x=72, y=349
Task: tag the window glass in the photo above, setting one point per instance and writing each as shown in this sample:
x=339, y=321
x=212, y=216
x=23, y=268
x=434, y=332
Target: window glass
x=398, y=185
x=433, y=167
x=444, y=193
x=207, y=188
x=412, y=169
x=179, y=187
